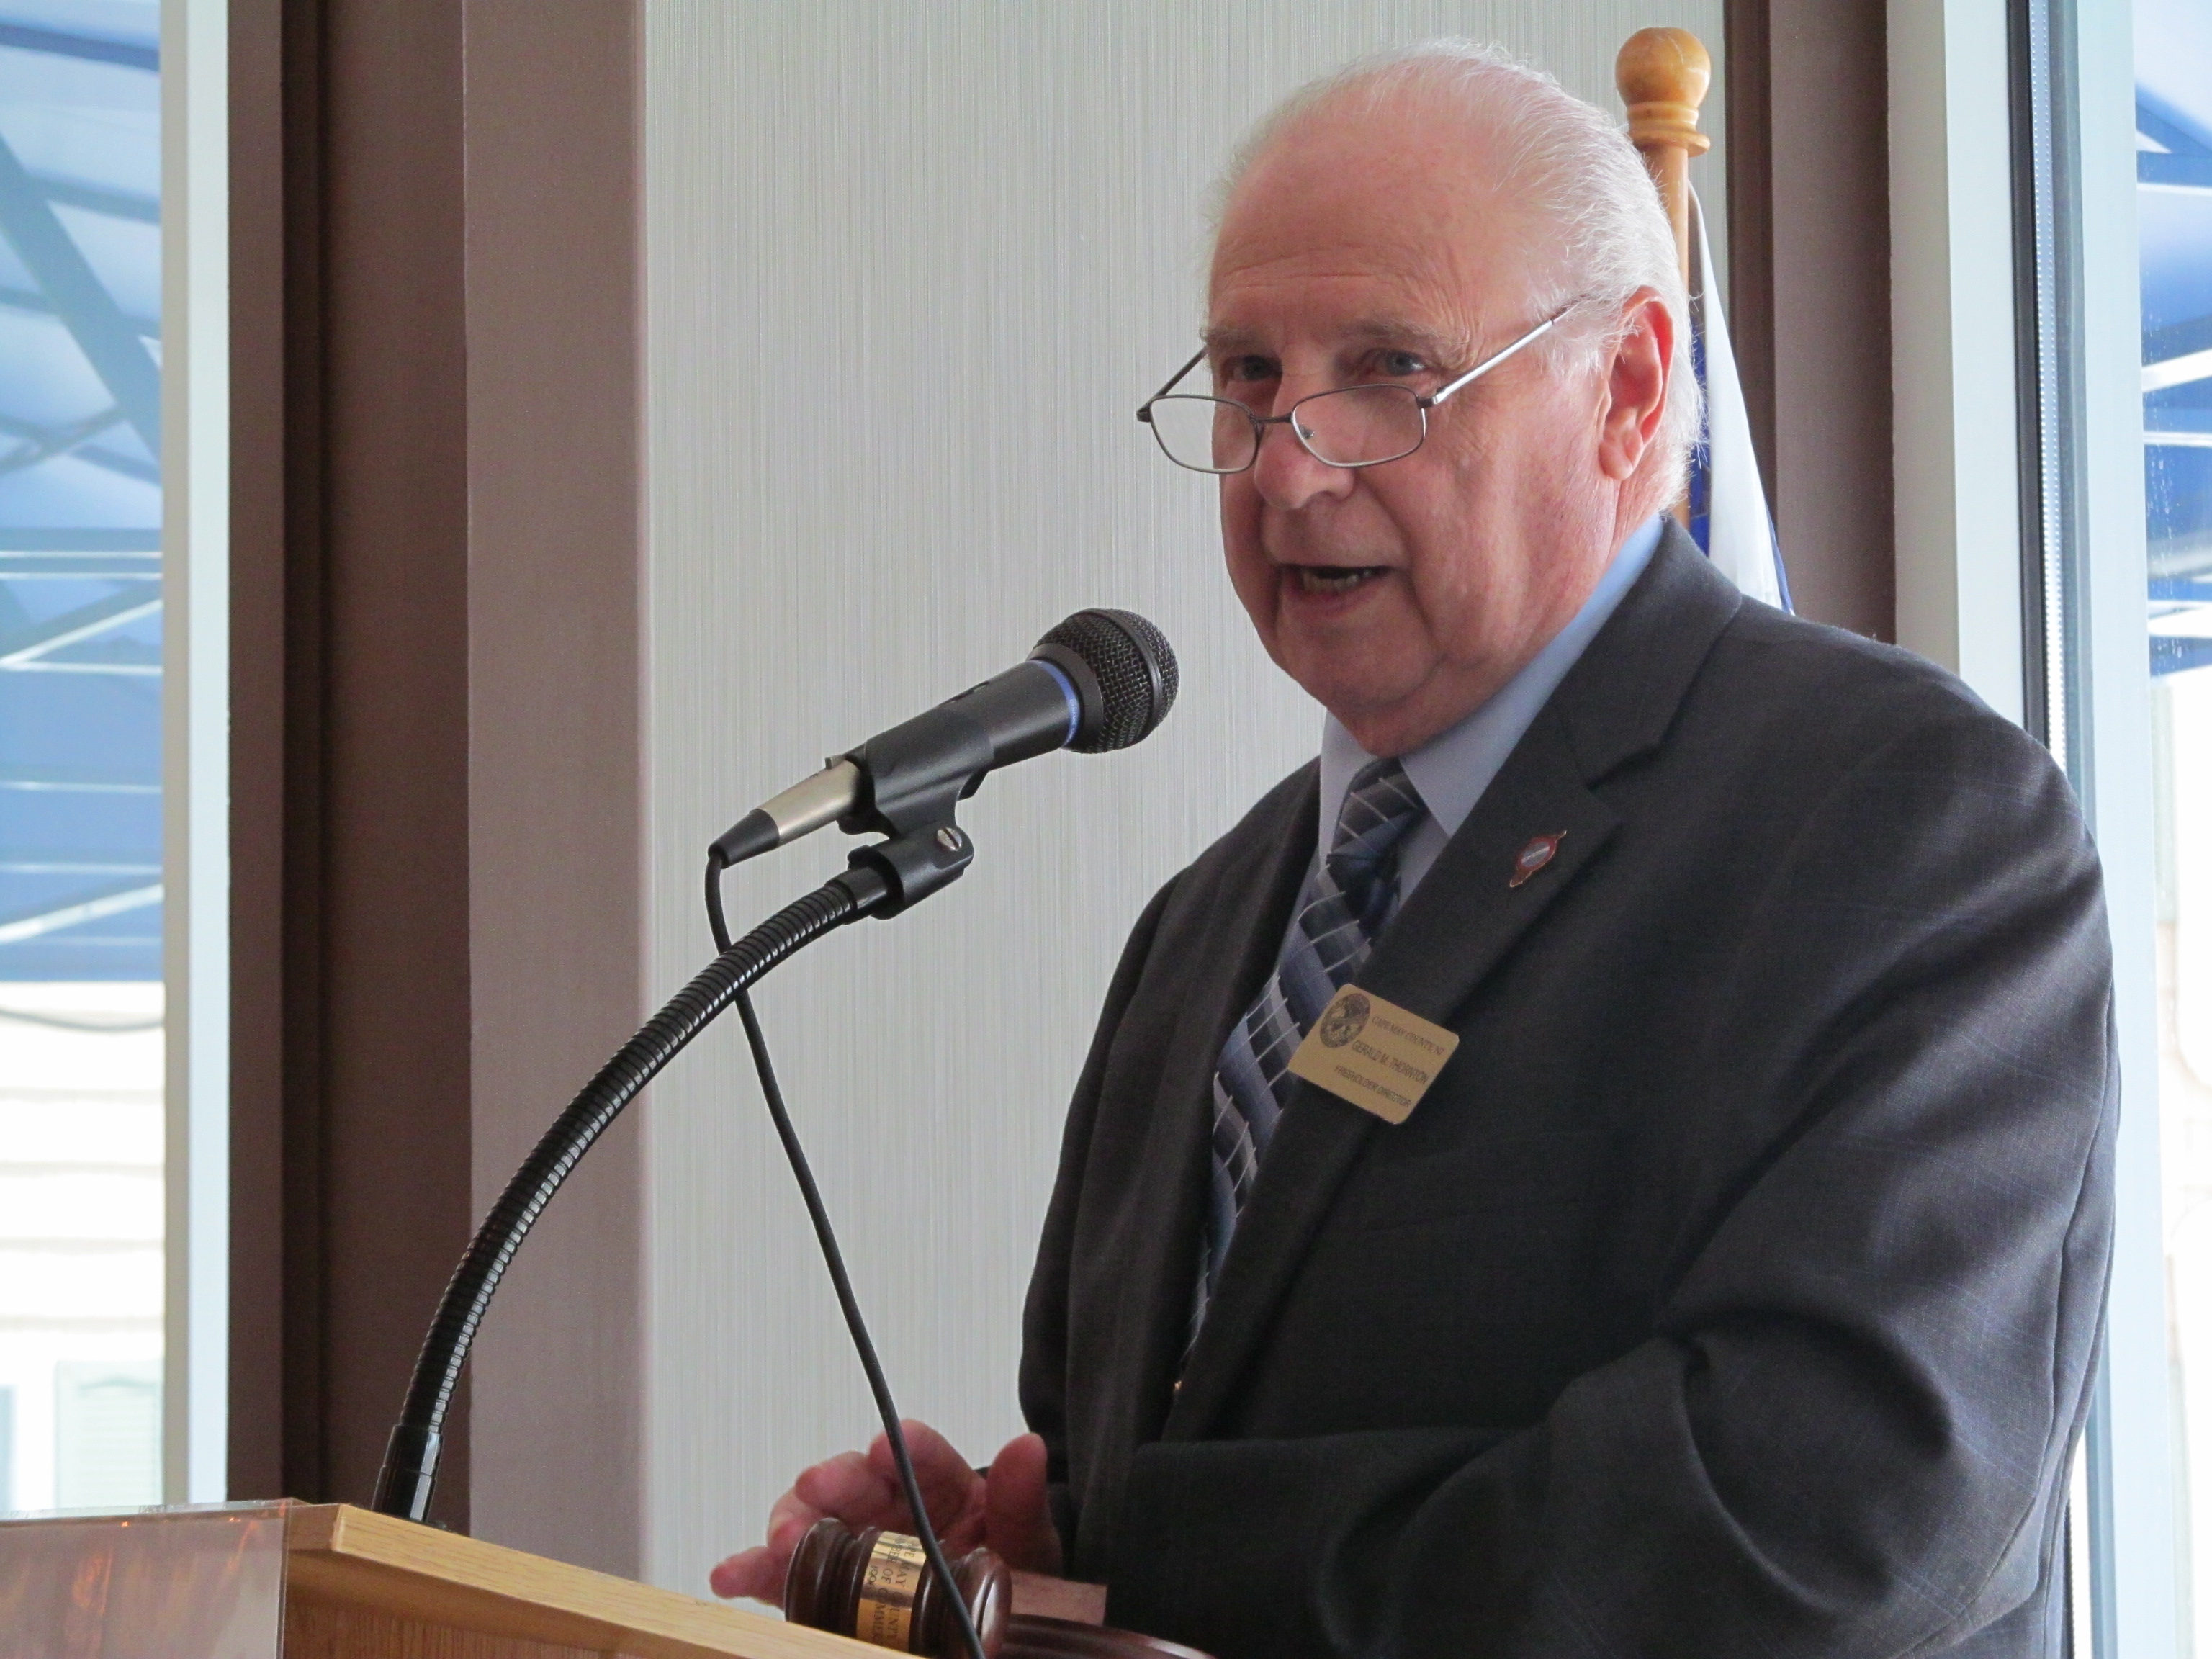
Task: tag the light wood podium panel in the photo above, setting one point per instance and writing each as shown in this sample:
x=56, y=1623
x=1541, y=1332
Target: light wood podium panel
x=350, y=1584
x=365, y=1586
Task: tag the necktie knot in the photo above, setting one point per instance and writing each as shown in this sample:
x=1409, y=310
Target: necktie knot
x=1380, y=808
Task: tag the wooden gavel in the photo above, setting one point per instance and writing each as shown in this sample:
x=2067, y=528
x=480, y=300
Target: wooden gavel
x=878, y=1587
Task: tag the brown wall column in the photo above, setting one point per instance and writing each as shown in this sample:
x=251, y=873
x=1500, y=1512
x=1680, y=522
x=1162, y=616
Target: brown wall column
x=436, y=795
x=351, y=1018
x=258, y=728
x=1808, y=228
x=555, y=792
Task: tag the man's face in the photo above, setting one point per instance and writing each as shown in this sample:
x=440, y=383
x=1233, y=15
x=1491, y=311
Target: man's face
x=1402, y=596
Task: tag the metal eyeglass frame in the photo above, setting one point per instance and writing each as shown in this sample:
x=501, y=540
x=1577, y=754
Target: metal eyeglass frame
x=1422, y=403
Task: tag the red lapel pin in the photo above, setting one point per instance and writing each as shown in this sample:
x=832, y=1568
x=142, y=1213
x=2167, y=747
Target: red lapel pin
x=1535, y=856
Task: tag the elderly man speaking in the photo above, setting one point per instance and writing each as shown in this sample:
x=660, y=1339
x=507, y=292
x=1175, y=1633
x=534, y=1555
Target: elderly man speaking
x=1734, y=1285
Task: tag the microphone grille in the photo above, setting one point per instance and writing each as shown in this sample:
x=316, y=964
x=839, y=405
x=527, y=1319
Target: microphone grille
x=1136, y=670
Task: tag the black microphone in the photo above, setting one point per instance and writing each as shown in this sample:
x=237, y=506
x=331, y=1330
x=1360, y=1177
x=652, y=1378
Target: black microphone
x=1102, y=680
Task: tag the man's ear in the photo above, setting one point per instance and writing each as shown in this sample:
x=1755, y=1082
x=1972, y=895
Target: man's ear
x=1635, y=385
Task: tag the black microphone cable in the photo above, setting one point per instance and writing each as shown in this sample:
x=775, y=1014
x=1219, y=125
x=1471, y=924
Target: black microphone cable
x=833, y=1259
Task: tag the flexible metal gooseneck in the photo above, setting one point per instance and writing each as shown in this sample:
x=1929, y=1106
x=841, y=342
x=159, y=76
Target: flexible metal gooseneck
x=411, y=1460
x=405, y=1484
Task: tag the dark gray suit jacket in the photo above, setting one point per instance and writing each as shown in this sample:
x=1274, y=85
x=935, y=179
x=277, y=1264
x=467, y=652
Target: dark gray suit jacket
x=1736, y=1289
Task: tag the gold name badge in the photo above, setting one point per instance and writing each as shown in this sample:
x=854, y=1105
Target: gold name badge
x=1373, y=1053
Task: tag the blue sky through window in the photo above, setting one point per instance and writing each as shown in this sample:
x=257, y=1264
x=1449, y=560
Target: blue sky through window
x=80, y=490
x=2173, y=142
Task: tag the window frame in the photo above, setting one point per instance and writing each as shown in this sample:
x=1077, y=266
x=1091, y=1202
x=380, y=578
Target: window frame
x=2086, y=691
x=196, y=747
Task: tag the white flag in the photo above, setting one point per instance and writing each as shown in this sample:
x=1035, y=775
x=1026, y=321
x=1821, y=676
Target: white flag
x=1728, y=515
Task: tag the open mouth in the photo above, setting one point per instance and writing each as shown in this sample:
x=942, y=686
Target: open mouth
x=1331, y=580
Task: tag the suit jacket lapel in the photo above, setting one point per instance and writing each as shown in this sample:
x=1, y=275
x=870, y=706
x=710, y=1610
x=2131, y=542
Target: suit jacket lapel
x=1618, y=702
x=1467, y=912
x=1464, y=917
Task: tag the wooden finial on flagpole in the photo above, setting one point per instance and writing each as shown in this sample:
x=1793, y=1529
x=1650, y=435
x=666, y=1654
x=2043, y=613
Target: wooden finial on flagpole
x=1662, y=74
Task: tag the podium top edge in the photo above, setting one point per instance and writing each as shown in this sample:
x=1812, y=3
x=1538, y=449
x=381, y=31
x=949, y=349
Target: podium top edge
x=339, y=1554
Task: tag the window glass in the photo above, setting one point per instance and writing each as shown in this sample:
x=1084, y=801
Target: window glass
x=2173, y=144
x=80, y=994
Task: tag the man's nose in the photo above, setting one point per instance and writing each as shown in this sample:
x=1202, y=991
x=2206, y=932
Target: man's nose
x=1288, y=475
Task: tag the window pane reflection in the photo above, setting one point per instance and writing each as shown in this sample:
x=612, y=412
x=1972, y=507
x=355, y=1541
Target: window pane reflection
x=81, y=996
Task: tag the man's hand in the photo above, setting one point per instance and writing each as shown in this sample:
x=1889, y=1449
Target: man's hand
x=1006, y=1509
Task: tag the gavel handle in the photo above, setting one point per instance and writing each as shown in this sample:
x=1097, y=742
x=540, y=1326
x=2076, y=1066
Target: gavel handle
x=1044, y=1596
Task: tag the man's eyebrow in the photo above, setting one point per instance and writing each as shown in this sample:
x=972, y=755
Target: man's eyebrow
x=1219, y=340
x=1441, y=345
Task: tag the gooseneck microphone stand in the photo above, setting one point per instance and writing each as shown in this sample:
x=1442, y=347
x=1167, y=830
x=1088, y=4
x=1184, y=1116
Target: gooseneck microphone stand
x=410, y=1463
x=884, y=880
x=1101, y=680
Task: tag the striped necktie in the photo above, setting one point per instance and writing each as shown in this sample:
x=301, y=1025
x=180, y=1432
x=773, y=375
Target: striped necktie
x=1346, y=901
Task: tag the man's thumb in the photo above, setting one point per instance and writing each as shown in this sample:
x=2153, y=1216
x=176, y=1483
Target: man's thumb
x=1017, y=1515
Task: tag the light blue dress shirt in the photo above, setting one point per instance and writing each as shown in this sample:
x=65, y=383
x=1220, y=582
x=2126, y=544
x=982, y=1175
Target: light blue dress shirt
x=1453, y=769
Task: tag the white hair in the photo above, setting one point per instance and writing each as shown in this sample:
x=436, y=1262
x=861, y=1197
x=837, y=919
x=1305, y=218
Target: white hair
x=1574, y=165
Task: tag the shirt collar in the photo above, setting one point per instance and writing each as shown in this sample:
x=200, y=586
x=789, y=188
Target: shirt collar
x=1453, y=769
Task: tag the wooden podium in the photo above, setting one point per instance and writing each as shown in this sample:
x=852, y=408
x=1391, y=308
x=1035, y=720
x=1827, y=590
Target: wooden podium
x=359, y=1583
x=328, y=1581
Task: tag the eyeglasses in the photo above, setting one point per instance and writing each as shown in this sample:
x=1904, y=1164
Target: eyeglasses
x=1351, y=426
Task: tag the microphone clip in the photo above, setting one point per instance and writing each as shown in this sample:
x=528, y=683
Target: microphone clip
x=911, y=778
x=914, y=865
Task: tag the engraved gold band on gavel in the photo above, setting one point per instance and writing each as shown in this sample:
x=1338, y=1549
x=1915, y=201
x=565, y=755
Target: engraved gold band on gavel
x=884, y=1612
